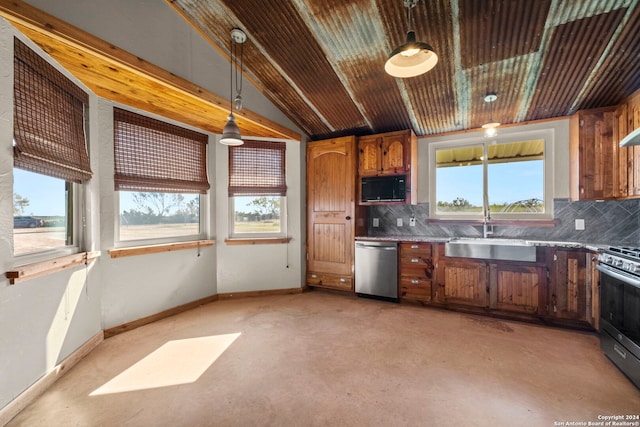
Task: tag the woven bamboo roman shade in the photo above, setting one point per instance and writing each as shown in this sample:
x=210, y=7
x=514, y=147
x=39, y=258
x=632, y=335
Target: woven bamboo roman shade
x=257, y=168
x=151, y=155
x=48, y=119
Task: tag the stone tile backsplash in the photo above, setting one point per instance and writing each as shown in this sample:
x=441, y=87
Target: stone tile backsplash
x=615, y=222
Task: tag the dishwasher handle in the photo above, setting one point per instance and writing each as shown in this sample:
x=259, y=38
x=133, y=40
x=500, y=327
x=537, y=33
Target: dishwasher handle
x=377, y=247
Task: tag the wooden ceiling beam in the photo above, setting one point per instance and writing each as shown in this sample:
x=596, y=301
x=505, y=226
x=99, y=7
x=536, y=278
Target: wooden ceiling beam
x=120, y=76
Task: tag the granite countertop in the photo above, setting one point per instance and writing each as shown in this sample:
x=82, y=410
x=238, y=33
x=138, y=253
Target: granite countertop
x=575, y=245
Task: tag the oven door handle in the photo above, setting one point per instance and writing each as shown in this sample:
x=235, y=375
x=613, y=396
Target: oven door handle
x=626, y=279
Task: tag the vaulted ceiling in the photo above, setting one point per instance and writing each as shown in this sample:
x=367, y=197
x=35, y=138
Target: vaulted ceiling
x=322, y=61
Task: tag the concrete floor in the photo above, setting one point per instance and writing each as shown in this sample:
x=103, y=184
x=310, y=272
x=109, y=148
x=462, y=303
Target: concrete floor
x=324, y=359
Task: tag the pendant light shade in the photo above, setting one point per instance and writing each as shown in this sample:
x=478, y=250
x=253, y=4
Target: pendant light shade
x=231, y=132
x=490, y=128
x=413, y=57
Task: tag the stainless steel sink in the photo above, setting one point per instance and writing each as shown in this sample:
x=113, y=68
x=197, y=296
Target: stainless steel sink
x=502, y=249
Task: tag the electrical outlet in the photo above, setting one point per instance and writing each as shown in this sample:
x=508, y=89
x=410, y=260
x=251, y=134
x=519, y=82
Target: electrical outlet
x=376, y=222
x=412, y=221
x=580, y=224
x=399, y=222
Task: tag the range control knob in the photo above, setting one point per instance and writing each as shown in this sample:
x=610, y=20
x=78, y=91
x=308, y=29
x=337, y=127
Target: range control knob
x=618, y=262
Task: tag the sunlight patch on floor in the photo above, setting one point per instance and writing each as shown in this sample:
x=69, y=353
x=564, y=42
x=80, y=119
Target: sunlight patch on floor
x=176, y=362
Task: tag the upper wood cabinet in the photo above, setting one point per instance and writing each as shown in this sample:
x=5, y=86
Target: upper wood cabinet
x=600, y=168
x=386, y=153
x=594, y=165
x=629, y=120
x=331, y=212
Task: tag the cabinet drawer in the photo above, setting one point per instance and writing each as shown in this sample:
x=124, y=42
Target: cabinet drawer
x=421, y=272
x=415, y=288
x=415, y=261
x=330, y=281
x=415, y=248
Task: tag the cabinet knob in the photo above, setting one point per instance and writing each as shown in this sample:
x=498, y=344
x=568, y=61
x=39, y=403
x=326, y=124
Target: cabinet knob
x=347, y=217
x=415, y=246
x=415, y=260
x=415, y=282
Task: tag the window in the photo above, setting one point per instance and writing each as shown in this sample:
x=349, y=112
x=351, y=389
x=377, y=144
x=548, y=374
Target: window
x=499, y=178
x=161, y=177
x=257, y=189
x=50, y=156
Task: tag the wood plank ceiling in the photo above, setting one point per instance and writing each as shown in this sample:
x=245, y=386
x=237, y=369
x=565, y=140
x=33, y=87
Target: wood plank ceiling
x=321, y=61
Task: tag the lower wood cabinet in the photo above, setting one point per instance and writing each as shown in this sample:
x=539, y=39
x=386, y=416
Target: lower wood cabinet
x=327, y=280
x=415, y=271
x=571, y=282
x=516, y=287
x=462, y=282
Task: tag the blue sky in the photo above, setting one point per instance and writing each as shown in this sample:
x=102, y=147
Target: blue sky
x=508, y=182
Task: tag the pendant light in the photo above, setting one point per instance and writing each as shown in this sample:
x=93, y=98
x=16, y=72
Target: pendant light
x=490, y=128
x=231, y=133
x=412, y=58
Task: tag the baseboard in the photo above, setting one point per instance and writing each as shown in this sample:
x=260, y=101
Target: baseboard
x=36, y=389
x=158, y=316
x=249, y=294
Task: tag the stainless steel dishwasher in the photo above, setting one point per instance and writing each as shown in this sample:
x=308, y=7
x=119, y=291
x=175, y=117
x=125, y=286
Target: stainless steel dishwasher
x=377, y=270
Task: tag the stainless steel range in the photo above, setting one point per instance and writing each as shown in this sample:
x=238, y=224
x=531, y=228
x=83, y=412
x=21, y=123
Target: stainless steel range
x=620, y=308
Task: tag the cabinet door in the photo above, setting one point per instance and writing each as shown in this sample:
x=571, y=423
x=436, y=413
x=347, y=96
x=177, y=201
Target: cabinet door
x=516, y=287
x=567, y=288
x=633, y=122
x=393, y=154
x=462, y=282
x=624, y=177
x=369, y=156
x=330, y=207
x=595, y=167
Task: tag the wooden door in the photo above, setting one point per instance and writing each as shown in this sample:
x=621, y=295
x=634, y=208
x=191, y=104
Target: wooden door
x=330, y=209
x=369, y=156
x=462, y=282
x=516, y=287
x=393, y=155
x=567, y=287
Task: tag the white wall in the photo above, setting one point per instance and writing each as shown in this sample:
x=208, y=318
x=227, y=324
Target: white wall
x=261, y=267
x=138, y=286
x=43, y=320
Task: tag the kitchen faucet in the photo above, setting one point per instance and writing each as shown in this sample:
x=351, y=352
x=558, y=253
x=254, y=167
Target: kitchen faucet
x=487, y=228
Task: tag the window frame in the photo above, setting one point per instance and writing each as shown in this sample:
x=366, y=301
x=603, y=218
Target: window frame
x=233, y=234
x=504, y=137
x=203, y=224
x=80, y=163
x=282, y=188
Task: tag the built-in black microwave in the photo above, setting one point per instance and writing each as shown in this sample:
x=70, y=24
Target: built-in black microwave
x=384, y=189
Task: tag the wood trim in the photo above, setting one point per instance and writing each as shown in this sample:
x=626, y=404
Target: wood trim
x=257, y=241
x=59, y=38
x=250, y=294
x=37, y=269
x=36, y=389
x=164, y=247
x=129, y=326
